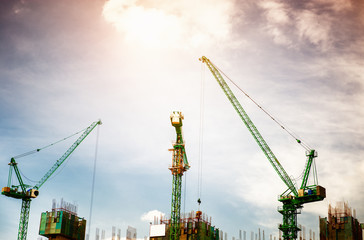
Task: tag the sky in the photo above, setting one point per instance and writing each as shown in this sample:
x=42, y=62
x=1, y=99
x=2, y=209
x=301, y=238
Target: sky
x=131, y=63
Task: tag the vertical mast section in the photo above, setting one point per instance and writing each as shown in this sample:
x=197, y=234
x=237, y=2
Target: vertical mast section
x=179, y=166
x=24, y=218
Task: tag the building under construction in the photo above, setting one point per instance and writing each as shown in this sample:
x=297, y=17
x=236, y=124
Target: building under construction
x=341, y=223
x=62, y=223
x=193, y=226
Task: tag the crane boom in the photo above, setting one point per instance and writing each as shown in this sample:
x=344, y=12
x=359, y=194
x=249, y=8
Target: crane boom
x=291, y=203
x=251, y=127
x=66, y=154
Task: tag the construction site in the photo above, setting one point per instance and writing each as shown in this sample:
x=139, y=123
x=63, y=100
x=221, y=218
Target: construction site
x=63, y=223
x=181, y=120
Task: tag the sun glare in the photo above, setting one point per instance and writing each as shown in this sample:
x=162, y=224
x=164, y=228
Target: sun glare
x=149, y=27
x=170, y=25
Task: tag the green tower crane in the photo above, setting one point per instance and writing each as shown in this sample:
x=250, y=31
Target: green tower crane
x=27, y=192
x=179, y=166
x=292, y=199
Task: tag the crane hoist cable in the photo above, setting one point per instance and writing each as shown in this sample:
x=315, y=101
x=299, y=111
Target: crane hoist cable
x=185, y=193
x=201, y=133
x=290, y=132
x=93, y=181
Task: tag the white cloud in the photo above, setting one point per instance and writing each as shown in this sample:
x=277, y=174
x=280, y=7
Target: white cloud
x=151, y=215
x=311, y=23
x=315, y=28
x=276, y=12
x=335, y=5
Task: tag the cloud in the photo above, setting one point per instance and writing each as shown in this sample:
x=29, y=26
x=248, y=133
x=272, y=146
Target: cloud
x=163, y=24
x=314, y=28
x=334, y=5
x=71, y=81
x=310, y=23
x=276, y=12
x=151, y=215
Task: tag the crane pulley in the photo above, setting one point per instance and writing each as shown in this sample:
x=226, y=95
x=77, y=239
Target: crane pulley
x=27, y=192
x=293, y=198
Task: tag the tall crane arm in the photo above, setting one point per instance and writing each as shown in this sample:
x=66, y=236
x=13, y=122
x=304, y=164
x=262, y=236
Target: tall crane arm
x=27, y=195
x=305, y=194
x=66, y=154
x=251, y=127
x=12, y=191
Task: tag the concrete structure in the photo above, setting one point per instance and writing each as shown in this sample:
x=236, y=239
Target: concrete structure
x=62, y=223
x=194, y=226
x=340, y=224
x=131, y=233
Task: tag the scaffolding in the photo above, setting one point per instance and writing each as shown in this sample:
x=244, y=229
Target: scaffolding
x=341, y=223
x=193, y=226
x=62, y=223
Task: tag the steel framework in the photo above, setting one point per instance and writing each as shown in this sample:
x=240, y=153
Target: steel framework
x=292, y=199
x=179, y=166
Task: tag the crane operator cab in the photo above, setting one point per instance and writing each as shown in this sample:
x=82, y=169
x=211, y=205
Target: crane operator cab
x=176, y=119
x=32, y=193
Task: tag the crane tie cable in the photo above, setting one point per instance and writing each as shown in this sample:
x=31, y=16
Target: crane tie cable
x=303, y=144
x=39, y=149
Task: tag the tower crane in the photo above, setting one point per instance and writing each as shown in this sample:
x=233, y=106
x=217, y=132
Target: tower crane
x=179, y=166
x=293, y=198
x=27, y=192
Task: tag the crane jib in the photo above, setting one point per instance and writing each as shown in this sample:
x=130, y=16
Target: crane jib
x=66, y=154
x=27, y=194
x=306, y=194
x=251, y=127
